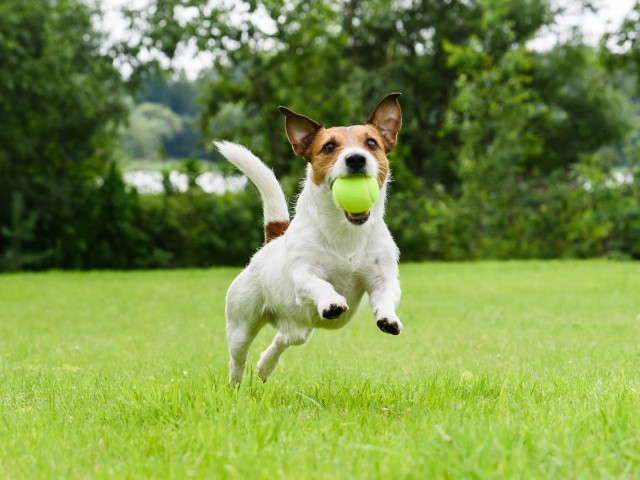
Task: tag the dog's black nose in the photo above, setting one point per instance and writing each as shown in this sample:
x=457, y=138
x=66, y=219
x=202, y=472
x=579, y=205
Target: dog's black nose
x=355, y=162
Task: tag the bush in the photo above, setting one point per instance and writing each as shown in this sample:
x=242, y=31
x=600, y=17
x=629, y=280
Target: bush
x=582, y=214
x=115, y=227
x=196, y=229
x=575, y=215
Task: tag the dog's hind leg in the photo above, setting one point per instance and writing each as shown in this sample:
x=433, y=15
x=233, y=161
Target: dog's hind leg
x=240, y=335
x=245, y=313
x=269, y=358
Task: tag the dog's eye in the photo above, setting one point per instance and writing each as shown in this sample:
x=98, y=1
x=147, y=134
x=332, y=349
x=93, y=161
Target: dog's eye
x=329, y=147
x=372, y=144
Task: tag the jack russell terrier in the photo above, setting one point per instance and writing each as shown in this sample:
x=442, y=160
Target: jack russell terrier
x=313, y=271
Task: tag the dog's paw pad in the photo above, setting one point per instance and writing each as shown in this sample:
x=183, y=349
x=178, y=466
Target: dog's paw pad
x=392, y=326
x=333, y=311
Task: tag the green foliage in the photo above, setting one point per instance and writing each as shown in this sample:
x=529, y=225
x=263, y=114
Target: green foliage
x=493, y=133
x=111, y=236
x=196, y=229
x=583, y=109
x=582, y=214
x=150, y=125
x=179, y=94
x=626, y=54
x=19, y=234
x=522, y=120
x=60, y=101
x=163, y=121
x=334, y=60
x=504, y=152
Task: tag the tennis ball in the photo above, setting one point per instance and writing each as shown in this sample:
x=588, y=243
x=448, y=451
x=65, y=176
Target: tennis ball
x=355, y=193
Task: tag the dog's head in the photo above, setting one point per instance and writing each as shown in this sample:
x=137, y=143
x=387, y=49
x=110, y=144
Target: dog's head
x=340, y=151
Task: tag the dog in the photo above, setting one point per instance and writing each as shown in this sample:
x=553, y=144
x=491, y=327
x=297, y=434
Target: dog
x=313, y=271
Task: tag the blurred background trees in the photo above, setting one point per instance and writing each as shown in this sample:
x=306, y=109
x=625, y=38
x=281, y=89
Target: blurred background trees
x=505, y=152
x=61, y=101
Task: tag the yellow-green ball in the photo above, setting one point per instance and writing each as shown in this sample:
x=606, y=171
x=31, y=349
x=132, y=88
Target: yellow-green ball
x=355, y=193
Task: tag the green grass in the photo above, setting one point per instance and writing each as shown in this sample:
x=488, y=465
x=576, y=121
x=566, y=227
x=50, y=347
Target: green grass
x=504, y=370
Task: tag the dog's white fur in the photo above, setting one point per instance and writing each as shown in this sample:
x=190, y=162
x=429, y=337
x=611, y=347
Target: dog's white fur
x=322, y=262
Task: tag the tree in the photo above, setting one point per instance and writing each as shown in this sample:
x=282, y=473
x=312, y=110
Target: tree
x=337, y=58
x=626, y=55
x=179, y=94
x=60, y=105
x=150, y=124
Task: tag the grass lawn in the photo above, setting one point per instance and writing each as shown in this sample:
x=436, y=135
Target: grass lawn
x=504, y=370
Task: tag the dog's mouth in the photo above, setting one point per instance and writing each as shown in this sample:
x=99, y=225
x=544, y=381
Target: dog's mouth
x=357, y=218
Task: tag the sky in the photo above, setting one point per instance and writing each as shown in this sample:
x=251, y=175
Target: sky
x=608, y=18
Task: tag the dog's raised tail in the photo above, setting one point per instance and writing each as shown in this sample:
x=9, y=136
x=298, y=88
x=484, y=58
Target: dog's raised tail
x=274, y=203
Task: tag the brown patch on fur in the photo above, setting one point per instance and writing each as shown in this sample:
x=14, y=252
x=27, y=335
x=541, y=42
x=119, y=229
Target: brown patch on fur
x=322, y=162
x=274, y=230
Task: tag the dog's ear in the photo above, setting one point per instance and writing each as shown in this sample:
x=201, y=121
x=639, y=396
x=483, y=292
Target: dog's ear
x=387, y=118
x=300, y=130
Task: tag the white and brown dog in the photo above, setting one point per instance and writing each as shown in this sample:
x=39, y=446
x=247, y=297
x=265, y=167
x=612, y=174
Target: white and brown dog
x=312, y=272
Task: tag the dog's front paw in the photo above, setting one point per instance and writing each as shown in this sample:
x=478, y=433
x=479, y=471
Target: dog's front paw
x=390, y=325
x=334, y=310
